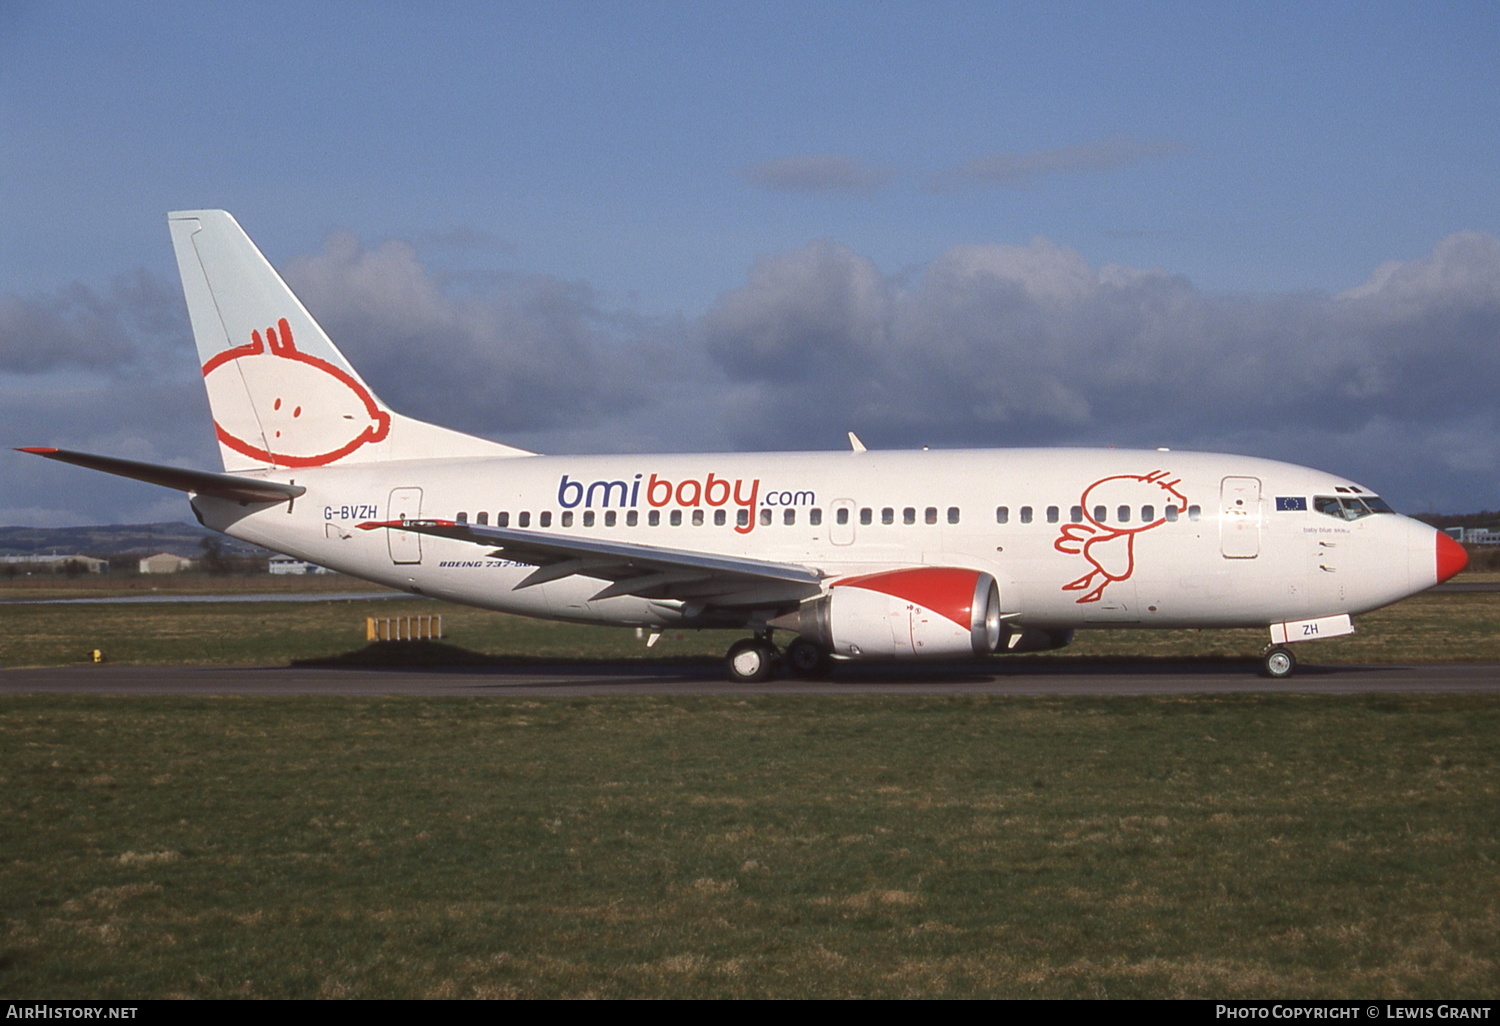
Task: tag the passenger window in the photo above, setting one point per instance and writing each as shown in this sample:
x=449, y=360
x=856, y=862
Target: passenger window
x=483, y=519
x=789, y=516
x=1194, y=512
x=676, y=518
x=1100, y=514
x=1002, y=514
x=952, y=514
x=697, y=518
x=1171, y=512
x=765, y=517
x=742, y=517
x=546, y=519
x=909, y=515
x=841, y=515
x=815, y=516
x=720, y=518
x=930, y=515
x=588, y=518
x=502, y=519
x=1025, y=514
x=865, y=516
x=1123, y=514
x=462, y=518
x=1075, y=514
x=653, y=519
x=1052, y=514
x=524, y=519
x=631, y=518
x=609, y=518
x=887, y=515
x=1148, y=514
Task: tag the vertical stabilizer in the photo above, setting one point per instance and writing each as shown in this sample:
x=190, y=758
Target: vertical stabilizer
x=281, y=393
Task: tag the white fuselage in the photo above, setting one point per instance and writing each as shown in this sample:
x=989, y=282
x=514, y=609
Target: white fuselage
x=1075, y=538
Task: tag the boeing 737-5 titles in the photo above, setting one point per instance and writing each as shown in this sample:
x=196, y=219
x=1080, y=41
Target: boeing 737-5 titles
x=858, y=555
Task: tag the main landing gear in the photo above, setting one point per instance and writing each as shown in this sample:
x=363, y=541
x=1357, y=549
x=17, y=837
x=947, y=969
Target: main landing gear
x=754, y=660
x=1277, y=662
x=807, y=658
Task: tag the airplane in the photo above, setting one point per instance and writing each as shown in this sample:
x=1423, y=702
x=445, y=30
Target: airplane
x=856, y=554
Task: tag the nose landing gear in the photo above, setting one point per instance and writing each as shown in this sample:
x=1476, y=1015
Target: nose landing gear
x=1277, y=662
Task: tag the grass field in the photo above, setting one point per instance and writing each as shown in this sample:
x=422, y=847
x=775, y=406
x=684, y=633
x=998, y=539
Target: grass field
x=1244, y=846
x=736, y=846
x=45, y=586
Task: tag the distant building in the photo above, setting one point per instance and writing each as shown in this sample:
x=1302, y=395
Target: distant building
x=282, y=565
x=1480, y=536
x=55, y=563
x=165, y=563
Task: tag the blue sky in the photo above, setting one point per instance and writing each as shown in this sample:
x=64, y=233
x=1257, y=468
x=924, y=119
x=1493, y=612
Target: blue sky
x=762, y=224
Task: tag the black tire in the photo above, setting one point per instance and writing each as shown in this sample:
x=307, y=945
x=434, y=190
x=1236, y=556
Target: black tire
x=806, y=658
x=1278, y=663
x=750, y=661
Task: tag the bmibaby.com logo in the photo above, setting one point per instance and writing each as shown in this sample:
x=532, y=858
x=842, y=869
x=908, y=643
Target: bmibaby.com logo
x=688, y=493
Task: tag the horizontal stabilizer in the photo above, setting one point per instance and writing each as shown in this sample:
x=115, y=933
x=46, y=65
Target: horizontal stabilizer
x=224, y=486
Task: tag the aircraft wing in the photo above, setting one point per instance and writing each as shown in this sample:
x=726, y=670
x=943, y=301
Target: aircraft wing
x=201, y=482
x=641, y=570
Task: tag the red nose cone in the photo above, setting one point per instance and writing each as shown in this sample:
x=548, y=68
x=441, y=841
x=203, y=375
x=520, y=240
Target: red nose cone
x=1451, y=557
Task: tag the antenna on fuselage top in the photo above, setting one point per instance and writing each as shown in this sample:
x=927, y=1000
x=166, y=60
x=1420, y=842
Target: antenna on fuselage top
x=855, y=443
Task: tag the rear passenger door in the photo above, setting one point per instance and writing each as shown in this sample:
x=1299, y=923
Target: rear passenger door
x=405, y=546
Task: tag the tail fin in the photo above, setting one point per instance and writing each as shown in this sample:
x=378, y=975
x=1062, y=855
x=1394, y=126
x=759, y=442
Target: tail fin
x=281, y=393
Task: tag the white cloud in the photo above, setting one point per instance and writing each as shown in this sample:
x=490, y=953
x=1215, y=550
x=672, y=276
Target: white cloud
x=78, y=327
x=513, y=352
x=1021, y=344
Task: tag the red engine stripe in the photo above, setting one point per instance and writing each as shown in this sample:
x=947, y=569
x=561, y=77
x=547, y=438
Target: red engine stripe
x=946, y=590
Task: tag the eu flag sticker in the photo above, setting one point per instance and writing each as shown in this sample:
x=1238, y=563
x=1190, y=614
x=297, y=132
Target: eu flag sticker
x=1291, y=502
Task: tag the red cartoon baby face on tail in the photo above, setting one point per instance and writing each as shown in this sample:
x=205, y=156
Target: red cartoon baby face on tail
x=1108, y=542
x=301, y=411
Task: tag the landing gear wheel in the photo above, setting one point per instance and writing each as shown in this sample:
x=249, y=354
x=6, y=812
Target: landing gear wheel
x=807, y=659
x=1278, y=662
x=750, y=661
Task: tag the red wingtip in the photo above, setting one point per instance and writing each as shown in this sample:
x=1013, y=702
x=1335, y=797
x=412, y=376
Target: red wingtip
x=40, y=450
x=1451, y=557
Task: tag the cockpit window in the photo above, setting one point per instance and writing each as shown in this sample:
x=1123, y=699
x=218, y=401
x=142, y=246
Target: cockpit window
x=1348, y=507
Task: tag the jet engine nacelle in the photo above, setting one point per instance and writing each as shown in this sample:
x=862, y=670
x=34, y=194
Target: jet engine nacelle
x=933, y=611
